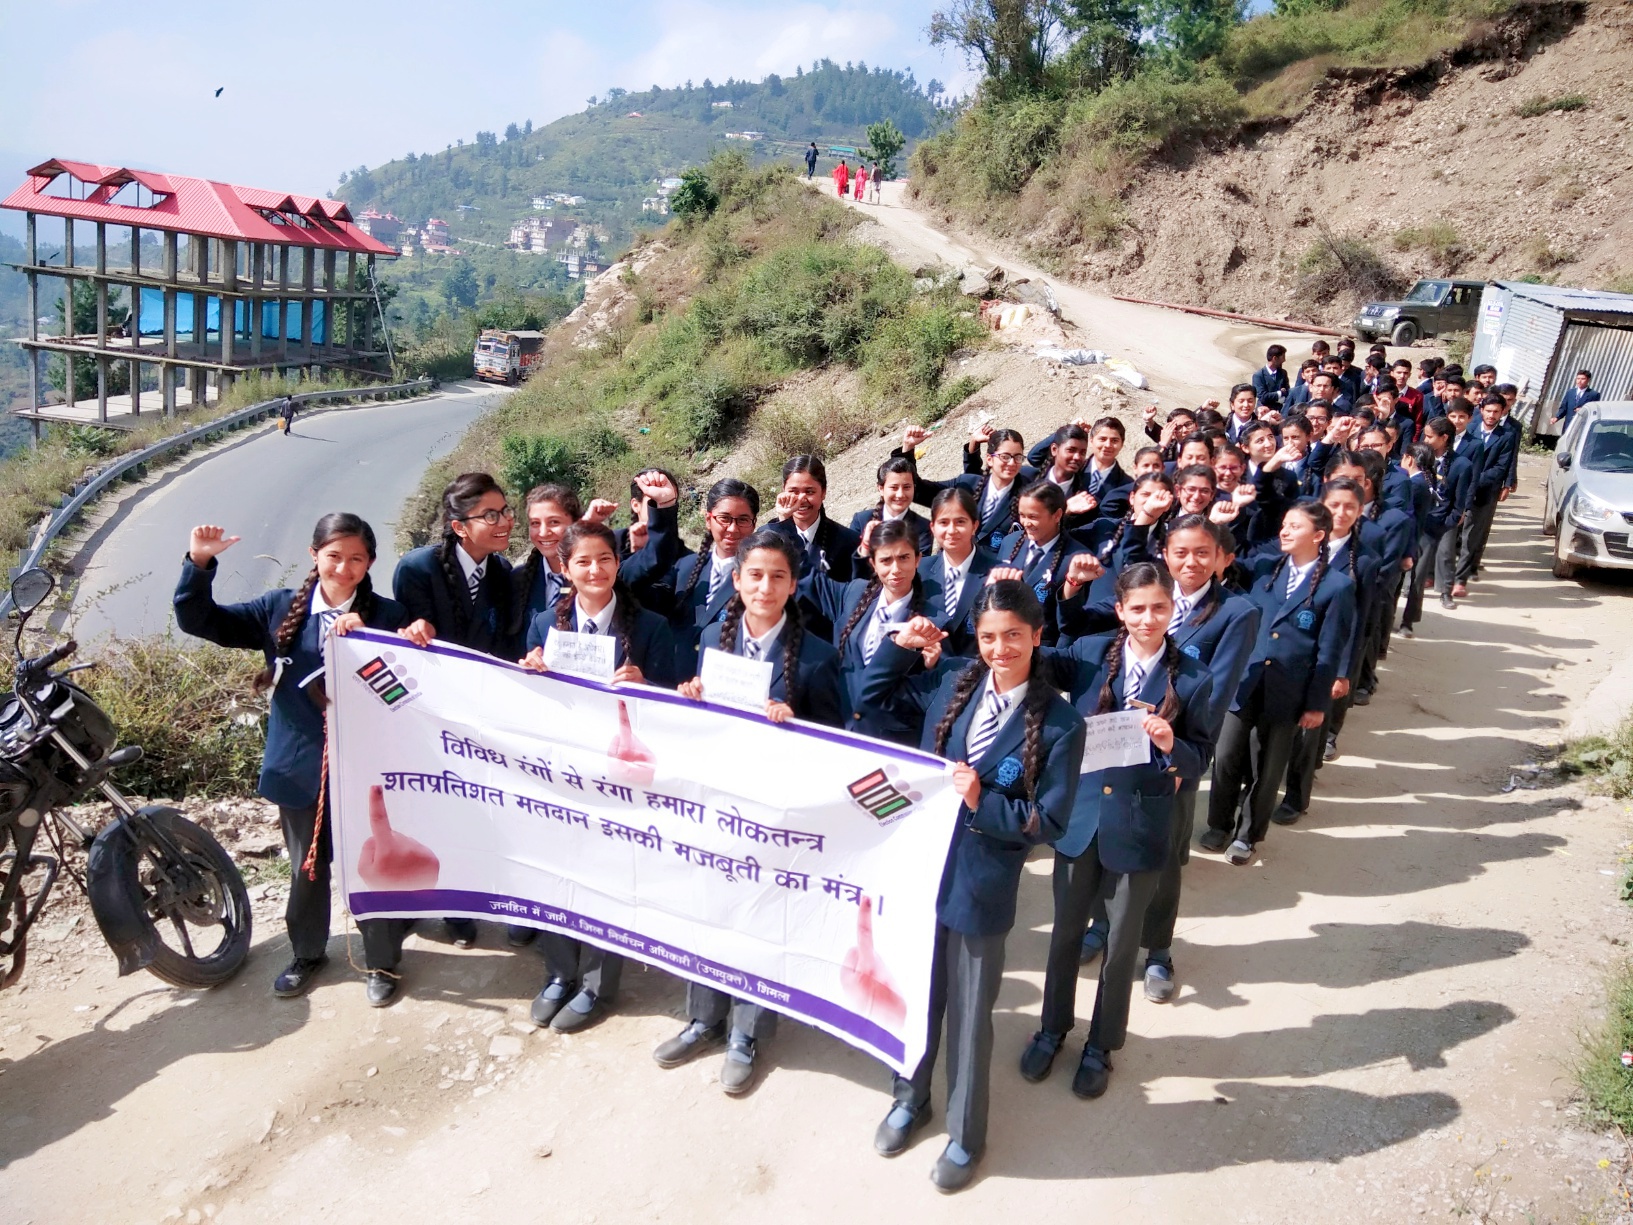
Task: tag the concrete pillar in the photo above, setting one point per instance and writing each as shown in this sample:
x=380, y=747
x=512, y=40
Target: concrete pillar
x=136, y=250
x=368, y=310
x=170, y=255
x=309, y=284
x=169, y=322
x=135, y=388
x=31, y=258
x=283, y=302
x=68, y=310
x=229, y=328
x=101, y=246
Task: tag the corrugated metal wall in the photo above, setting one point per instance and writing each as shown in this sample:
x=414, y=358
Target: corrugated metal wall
x=1488, y=325
x=1530, y=332
x=1607, y=352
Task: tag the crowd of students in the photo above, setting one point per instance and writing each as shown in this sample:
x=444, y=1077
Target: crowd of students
x=1238, y=583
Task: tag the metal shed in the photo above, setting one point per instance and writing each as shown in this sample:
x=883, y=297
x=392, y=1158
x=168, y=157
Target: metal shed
x=1539, y=336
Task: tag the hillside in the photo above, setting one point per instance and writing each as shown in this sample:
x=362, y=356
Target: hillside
x=614, y=152
x=1497, y=150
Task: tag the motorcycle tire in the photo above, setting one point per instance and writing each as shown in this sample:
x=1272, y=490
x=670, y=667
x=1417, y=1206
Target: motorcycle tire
x=226, y=898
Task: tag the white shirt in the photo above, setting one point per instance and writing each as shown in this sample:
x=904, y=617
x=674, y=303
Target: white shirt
x=766, y=640
x=1297, y=575
x=1042, y=549
x=1335, y=545
x=808, y=535
x=995, y=494
x=1016, y=698
x=1065, y=486
x=1183, y=604
x=886, y=517
x=321, y=605
x=1097, y=474
x=602, y=619
x=721, y=566
x=469, y=565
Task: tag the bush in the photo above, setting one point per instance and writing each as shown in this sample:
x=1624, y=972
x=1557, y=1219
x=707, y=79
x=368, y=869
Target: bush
x=903, y=363
x=1607, y=1086
x=694, y=198
x=568, y=458
x=1332, y=266
x=1541, y=104
x=1439, y=239
x=1154, y=113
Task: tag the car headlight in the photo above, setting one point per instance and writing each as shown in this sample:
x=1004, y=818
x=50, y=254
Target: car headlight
x=1589, y=511
x=1389, y=312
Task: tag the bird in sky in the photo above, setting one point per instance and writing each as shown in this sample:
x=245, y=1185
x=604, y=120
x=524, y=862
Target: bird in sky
x=218, y=92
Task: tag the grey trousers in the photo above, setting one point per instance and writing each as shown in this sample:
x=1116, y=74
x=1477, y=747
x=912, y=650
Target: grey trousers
x=307, y=914
x=592, y=968
x=1127, y=897
x=709, y=1006
x=1163, y=911
x=964, y=984
x=1251, y=755
x=1447, y=549
x=1476, y=531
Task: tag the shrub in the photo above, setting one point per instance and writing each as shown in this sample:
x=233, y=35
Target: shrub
x=695, y=197
x=1155, y=112
x=1541, y=104
x=569, y=458
x=1332, y=266
x=903, y=363
x=1541, y=254
x=1607, y=1086
x=1440, y=239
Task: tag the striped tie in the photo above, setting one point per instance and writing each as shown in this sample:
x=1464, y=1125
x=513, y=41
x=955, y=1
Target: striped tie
x=1132, y=679
x=955, y=585
x=986, y=729
x=588, y=627
x=717, y=575
x=326, y=623
x=876, y=634
x=751, y=649
x=476, y=580
x=1033, y=552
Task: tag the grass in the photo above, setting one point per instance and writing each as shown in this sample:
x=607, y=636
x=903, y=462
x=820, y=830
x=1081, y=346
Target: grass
x=1607, y=1086
x=1541, y=254
x=1541, y=104
x=1439, y=239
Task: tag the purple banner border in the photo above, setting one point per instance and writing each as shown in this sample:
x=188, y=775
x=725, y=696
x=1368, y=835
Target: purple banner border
x=517, y=910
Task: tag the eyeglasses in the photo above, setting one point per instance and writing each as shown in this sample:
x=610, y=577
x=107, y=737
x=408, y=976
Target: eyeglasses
x=1006, y=457
x=743, y=522
x=492, y=517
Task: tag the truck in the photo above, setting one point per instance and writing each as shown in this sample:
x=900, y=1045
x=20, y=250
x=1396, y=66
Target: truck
x=507, y=356
x=1433, y=307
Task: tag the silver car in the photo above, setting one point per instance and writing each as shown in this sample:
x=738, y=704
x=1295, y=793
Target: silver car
x=1589, y=502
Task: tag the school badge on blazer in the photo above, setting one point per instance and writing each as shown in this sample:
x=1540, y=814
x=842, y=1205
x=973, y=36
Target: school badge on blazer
x=1008, y=771
x=384, y=678
x=1305, y=619
x=1191, y=649
x=877, y=795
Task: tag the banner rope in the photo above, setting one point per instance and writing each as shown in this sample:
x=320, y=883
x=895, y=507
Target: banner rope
x=310, y=866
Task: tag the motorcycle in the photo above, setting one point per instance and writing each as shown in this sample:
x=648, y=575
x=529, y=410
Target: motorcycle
x=166, y=895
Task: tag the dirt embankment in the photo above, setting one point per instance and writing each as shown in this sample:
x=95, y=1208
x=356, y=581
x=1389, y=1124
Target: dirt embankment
x=1436, y=168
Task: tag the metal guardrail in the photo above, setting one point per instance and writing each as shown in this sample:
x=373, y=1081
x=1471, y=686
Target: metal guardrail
x=81, y=495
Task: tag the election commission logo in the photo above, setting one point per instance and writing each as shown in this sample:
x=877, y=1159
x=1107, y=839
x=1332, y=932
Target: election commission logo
x=385, y=679
x=878, y=796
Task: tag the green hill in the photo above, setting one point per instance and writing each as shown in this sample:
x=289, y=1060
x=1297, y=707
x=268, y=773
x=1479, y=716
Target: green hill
x=614, y=152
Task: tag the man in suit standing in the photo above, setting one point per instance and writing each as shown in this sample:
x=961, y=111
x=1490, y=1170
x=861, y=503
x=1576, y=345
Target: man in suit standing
x=1498, y=477
x=1270, y=384
x=811, y=160
x=1574, y=399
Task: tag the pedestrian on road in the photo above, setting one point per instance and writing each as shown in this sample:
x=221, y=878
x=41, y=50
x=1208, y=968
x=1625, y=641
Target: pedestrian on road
x=861, y=183
x=287, y=412
x=810, y=160
x=873, y=184
x=1574, y=399
x=842, y=178
x=291, y=629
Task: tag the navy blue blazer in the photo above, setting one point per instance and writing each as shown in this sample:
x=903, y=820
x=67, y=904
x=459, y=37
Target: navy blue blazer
x=1130, y=809
x=833, y=551
x=531, y=599
x=1450, y=497
x=651, y=646
x=1270, y=385
x=294, y=737
x=1368, y=564
x=835, y=602
x=960, y=626
x=990, y=844
x=421, y=587
x=1111, y=492
x=1046, y=574
x=1300, y=646
x=995, y=523
x=1502, y=458
x=860, y=521
x=1397, y=491
x=1470, y=447
x=1275, y=491
x=1573, y=400
x=816, y=673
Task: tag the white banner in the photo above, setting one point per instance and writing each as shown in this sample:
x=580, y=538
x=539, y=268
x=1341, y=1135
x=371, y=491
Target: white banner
x=796, y=866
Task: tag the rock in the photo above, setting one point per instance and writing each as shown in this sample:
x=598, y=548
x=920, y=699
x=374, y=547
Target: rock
x=505, y=1046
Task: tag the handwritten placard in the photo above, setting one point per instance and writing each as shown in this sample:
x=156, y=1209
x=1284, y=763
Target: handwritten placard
x=588, y=655
x=1117, y=739
x=731, y=680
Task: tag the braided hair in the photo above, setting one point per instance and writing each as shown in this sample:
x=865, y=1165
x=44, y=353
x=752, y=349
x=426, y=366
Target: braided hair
x=459, y=498
x=1132, y=578
x=527, y=574
x=1011, y=596
x=728, y=487
x=894, y=532
x=1423, y=456
x=793, y=632
x=1321, y=519
x=336, y=526
x=1109, y=548
x=1201, y=523
x=895, y=465
x=1345, y=484
x=624, y=611
x=997, y=439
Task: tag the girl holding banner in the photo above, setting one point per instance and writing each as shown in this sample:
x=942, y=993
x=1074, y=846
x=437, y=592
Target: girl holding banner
x=761, y=623
x=583, y=979
x=1018, y=746
x=291, y=628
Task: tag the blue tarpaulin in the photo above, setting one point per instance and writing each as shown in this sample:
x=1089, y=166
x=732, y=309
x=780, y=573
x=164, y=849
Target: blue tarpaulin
x=151, y=317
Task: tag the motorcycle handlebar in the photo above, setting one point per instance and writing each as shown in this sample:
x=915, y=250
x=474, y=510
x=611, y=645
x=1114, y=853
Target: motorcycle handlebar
x=52, y=657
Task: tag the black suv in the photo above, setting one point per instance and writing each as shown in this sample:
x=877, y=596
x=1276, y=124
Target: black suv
x=1432, y=308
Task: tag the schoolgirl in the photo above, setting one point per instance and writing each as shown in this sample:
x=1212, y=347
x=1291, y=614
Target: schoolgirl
x=826, y=545
x=954, y=574
x=995, y=481
x=693, y=591
x=1040, y=548
x=1122, y=823
x=538, y=582
x=1146, y=461
x=1421, y=469
x=1018, y=746
x=1390, y=534
x=1138, y=535
x=1193, y=451
x=461, y=591
x=897, y=476
x=1307, y=613
x=291, y=629
x=583, y=980
x=761, y=621
x=1454, y=496
x=642, y=505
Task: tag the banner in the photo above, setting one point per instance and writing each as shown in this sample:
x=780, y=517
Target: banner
x=792, y=865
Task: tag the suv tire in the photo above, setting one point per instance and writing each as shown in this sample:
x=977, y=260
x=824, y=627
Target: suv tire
x=1405, y=333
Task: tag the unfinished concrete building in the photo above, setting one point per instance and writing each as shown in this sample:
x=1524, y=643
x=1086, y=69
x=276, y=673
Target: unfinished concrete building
x=219, y=282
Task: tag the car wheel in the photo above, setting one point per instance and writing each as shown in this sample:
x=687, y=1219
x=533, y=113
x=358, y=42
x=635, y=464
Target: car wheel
x=1405, y=333
x=1564, y=567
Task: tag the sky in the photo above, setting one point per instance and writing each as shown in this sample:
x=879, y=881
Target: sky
x=134, y=84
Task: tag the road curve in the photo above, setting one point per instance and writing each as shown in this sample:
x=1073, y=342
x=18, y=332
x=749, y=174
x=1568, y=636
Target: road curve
x=269, y=489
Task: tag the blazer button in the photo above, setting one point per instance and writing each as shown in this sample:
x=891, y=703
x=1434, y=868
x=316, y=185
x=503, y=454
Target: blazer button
x=1106, y=790
x=1274, y=635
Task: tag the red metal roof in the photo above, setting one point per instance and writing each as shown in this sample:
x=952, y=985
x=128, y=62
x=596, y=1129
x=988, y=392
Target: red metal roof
x=197, y=206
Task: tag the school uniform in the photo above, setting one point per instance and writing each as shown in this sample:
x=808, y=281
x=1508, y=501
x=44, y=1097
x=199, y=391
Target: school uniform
x=950, y=593
x=1499, y=470
x=995, y=508
x=472, y=614
x=836, y=602
x=1571, y=402
x=829, y=546
x=535, y=588
x=1120, y=833
x=1452, y=497
x=914, y=520
x=1396, y=493
x=689, y=593
x=1393, y=535
x=1109, y=487
x=976, y=903
x=1274, y=492
x=1042, y=569
x=292, y=762
x=1270, y=386
x=1303, y=634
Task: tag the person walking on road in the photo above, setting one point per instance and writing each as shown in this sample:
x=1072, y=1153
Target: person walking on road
x=873, y=184
x=861, y=182
x=810, y=161
x=842, y=177
x=287, y=412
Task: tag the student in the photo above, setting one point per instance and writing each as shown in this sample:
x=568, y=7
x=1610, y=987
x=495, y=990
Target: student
x=1580, y=394
x=1274, y=488
x=1453, y=489
x=1106, y=482
x=291, y=629
x=1307, y=612
x=954, y=574
x=1137, y=536
x=1018, y=746
x=1244, y=407
x=1499, y=477
x=898, y=477
x=583, y=980
x=538, y=582
x=1466, y=444
x=1122, y=822
x=1292, y=456
x=825, y=545
x=762, y=622
x=1146, y=461
x=995, y=481
x=1301, y=392
x=1040, y=548
x=461, y=589
x=1092, y=491
x=642, y=506
x=1270, y=384
x=693, y=591
x=1392, y=536
x=1193, y=451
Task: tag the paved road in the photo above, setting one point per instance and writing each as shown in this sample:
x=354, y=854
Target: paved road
x=270, y=490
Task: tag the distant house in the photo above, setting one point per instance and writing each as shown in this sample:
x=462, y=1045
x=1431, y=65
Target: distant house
x=722, y=106
x=436, y=232
x=665, y=186
x=383, y=226
x=745, y=135
x=581, y=266
x=656, y=204
x=635, y=115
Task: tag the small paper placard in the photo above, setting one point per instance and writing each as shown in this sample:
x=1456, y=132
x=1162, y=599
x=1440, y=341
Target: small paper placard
x=1117, y=739
x=731, y=680
x=592, y=656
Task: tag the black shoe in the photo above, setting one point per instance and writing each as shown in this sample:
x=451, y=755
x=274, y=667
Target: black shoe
x=951, y=1177
x=1093, y=1073
x=1214, y=839
x=297, y=979
x=548, y=1002
x=1363, y=697
x=689, y=1043
x=582, y=1011
x=1446, y=600
x=737, y=1072
x=380, y=988
x=461, y=931
x=1286, y=814
x=520, y=937
x=1094, y=943
x=1039, y=1055
x=891, y=1140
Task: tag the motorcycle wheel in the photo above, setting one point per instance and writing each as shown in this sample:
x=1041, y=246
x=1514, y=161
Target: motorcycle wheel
x=220, y=905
